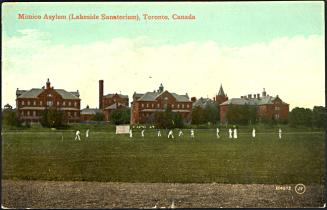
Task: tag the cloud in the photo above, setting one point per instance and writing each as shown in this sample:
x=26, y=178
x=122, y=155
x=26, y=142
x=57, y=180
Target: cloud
x=292, y=67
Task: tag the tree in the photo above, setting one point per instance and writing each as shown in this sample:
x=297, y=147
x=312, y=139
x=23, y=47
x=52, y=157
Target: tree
x=198, y=115
x=241, y=114
x=98, y=116
x=211, y=113
x=120, y=116
x=168, y=119
x=9, y=117
x=53, y=118
x=300, y=117
x=319, y=117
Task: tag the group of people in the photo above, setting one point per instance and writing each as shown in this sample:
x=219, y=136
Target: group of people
x=78, y=137
x=170, y=133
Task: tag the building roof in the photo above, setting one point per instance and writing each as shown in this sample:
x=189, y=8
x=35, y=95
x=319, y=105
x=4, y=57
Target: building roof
x=251, y=101
x=90, y=111
x=162, y=110
x=110, y=95
x=115, y=106
x=35, y=92
x=221, y=91
x=203, y=102
x=152, y=96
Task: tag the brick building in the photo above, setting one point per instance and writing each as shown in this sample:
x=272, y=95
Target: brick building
x=221, y=96
x=268, y=107
x=111, y=101
x=88, y=114
x=31, y=103
x=145, y=105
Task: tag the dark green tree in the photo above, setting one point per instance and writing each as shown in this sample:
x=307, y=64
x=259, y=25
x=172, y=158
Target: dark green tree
x=98, y=116
x=198, y=116
x=10, y=118
x=300, y=117
x=319, y=117
x=120, y=116
x=53, y=118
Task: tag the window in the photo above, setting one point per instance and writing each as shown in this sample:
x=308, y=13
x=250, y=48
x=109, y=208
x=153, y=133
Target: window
x=147, y=105
x=75, y=104
x=277, y=108
x=28, y=103
x=34, y=103
x=40, y=103
x=49, y=95
x=142, y=105
x=182, y=106
x=75, y=114
x=64, y=103
x=22, y=102
x=152, y=105
x=188, y=106
x=34, y=113
x=49, y=103
x=57, y=103
x=69, y=103
x=28, y=113
x=276, y=116
x=178, y=106
x=22, y=113
x=158, y=105
x=172, y=106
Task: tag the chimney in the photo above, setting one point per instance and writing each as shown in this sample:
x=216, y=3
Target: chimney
x=258, y=95
x=264, y=93
x=254, y=96
x=193, y=99
x=100, y=93
x=241, y=96
x=48, y=84
x=249, y=95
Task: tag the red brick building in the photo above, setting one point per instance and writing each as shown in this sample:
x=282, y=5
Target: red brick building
x=88, y=113
x=145, y=105
x=111, y=102
x=31, y=103
x=268, y=107
x=221, y=96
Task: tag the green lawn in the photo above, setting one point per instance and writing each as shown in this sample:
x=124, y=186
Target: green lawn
x=297, y=158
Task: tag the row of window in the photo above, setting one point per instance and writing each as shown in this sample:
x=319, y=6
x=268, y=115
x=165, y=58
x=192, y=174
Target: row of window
x=173, y=106
x=35, y=113
x=49, y=103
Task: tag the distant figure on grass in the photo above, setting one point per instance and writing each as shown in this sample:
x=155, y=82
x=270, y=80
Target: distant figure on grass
x=170, y=134
x=142, y=133
x=159, y=133
x=217, y=133
x=77, y=135
x=130, y=133
x=280, y=133
x=253, y=133
x=87, y=133
x=235, y=133
x=230, y=133
x=192, y=133
x=180, y=133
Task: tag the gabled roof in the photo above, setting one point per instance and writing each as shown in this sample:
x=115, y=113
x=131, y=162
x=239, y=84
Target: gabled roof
x=203, y=102
x=35, y=92
x=251, y=101
x=90, y=111
x=115, y=106
x=110, y=95
x=152, y=96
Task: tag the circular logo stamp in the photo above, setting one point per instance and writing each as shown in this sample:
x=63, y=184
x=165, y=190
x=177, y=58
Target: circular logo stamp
x=300, y=188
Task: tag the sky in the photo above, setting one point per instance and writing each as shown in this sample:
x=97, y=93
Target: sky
x=245, y=46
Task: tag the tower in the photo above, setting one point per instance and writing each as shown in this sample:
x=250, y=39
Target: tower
x=221, y=96
x=100, y=93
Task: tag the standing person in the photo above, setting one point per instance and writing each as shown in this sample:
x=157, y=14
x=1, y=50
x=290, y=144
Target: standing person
x=77, y=135
x=142, y=133
x=130, y=133
x=159, y=133
x=253, y=133
x=170, y=134
x=235, y=133
x=217, y=133
x=192, y=133
x=280, y=133
x=87, y=133
x=230, y=133
x=180, y=133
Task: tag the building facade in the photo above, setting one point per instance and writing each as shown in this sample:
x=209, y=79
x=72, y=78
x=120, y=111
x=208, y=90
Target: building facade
x=268, y=107
x=31, y=103
x=111, y=101
x=145, y=105
x=88, y=114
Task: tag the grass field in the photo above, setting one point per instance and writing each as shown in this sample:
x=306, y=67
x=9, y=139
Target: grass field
x=297, y=158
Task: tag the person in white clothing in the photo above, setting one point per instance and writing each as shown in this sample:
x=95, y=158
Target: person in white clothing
x=235, y=133
x=77, y=135
x=192, y=133
x=230, y=133
x=217, y=133
x=87, y=133
x=180, y=133
x=253, y=133
x=159, y=133
x=142, y=133
x=170, y=134
x=130, y=133
x=280, y=133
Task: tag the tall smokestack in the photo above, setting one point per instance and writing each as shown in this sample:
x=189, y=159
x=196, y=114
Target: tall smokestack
x=100, y=93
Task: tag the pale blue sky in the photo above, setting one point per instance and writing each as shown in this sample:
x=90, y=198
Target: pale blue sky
x=246, y=46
